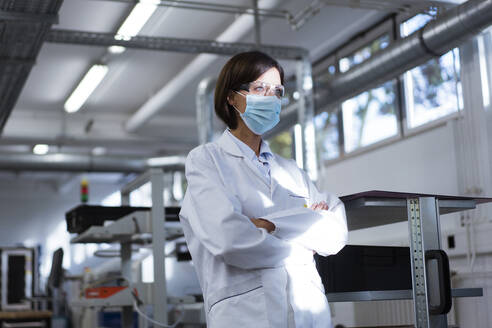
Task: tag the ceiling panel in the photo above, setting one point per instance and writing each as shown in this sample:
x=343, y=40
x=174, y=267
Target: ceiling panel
x=57, y=71
x=136, y=75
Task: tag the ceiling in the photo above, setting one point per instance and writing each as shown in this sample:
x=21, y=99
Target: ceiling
x=136, y=75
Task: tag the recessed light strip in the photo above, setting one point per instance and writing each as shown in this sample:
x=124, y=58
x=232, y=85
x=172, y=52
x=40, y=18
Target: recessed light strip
x=85, y=88
x=137, y=19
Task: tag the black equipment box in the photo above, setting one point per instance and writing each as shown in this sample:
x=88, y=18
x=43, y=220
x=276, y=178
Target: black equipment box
x=366, y=268
x=82, y=217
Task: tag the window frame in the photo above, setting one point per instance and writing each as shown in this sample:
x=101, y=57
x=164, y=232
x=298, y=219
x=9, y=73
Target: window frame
x=391, y=25
x=487, y=42
x=354, y=45
x=403, y=132
x=321, y=68
x=406, y=129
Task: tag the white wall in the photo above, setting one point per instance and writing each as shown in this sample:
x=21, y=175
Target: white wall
x=32, y=219
x=423, y=163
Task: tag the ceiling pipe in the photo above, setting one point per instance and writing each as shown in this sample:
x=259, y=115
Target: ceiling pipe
x=151, y=144
x=436, y=38
x=86, y=163
x=233, y=33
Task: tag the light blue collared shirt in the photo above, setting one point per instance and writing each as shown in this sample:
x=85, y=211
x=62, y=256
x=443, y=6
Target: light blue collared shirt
x=262, y=161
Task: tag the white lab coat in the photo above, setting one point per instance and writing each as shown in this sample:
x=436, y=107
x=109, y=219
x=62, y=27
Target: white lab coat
x=251, y=278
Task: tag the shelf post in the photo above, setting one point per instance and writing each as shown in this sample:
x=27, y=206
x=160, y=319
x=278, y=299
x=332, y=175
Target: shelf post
x=425, y=235
x=158, y=245
x=126, y=271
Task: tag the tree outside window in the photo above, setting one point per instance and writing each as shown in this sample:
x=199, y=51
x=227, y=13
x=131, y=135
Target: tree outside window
x=326, y=125
x=281, y=144
x=433, y=89
x=370, y=116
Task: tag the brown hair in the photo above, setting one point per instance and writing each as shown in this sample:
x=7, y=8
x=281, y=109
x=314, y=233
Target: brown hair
x=242, y=68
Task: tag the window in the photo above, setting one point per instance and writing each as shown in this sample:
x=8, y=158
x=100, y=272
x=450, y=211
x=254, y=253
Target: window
x=113, y=199
x=370, y=116
x=433, y=89
x=142, y=196
x=326, y=122
x=364, y=53
x=327, y=136
x=281, y=144
x=58, y=238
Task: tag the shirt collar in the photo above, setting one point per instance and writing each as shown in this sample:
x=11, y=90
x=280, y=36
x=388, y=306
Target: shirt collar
x=236, y=147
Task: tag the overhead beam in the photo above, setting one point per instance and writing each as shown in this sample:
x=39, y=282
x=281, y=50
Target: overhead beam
x=217, y=7
x=151, y=145
x=399, y=5
x=193, y=46
x=70, y=163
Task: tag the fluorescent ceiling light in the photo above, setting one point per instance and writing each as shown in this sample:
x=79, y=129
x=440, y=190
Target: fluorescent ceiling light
x=85, y=88
x=116, y=50
x=137, y=19
x=40, y=149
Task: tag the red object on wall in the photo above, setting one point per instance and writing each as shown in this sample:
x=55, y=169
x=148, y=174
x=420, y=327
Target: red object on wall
x=103, y=292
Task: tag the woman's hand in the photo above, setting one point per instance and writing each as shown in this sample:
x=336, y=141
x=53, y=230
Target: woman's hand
x=319, y=206
x=262, y=223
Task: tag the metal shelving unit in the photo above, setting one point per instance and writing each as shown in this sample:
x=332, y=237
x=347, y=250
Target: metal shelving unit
x=140, y=227
x=422, y=211
x=391, y=295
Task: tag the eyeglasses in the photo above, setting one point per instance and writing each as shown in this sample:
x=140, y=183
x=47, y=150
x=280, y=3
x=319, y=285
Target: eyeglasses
x=264, y=89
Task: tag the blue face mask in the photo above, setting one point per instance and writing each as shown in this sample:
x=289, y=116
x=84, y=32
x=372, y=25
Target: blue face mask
x=262, y=113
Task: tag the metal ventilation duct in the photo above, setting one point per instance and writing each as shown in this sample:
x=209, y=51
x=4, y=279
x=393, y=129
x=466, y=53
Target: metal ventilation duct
x=23, y=26
x=436, y=38
x=85, y=163
x=69, y=163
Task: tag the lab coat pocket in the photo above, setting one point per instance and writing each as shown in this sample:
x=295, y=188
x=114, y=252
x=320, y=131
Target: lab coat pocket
x=298, y=195
x=298, y=199
x=242, y=305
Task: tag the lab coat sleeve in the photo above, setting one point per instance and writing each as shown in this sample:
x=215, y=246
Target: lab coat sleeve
x=324, y=231
x=214, y=215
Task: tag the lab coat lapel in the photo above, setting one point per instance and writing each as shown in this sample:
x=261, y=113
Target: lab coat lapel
x=281, y=178
x=256, y=171
x=232, y=149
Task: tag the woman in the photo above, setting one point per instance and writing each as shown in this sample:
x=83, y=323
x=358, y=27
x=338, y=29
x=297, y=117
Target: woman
x=252, y=219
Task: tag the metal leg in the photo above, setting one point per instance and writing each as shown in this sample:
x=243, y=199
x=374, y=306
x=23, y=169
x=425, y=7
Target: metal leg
x=158, y=245
x=423, y=220
x=126, y=271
